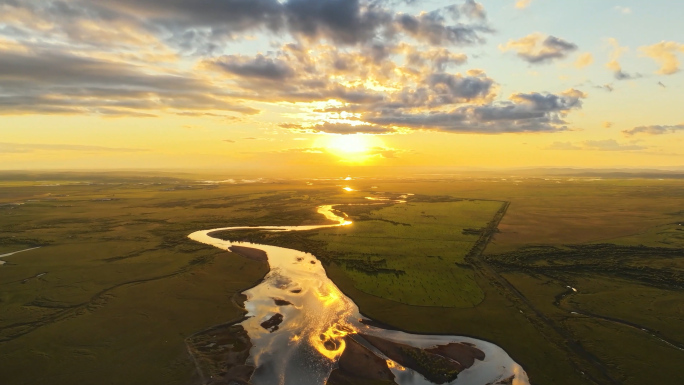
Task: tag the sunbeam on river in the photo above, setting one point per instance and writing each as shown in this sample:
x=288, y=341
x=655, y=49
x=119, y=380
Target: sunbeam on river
x=297, y=320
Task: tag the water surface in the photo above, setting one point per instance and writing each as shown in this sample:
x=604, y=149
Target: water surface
x=314, y=311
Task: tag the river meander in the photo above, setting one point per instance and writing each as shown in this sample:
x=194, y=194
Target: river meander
x=316, y=316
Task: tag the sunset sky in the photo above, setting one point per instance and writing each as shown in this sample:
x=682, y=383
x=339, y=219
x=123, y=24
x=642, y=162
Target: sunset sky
x=340, y=84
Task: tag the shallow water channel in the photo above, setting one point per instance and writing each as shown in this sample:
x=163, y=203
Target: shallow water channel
x=317, y=311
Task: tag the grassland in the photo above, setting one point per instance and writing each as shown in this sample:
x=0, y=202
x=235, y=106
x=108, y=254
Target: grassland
x=562, y=233
x=116, y=287
x=621, y=303
x=123, y=286
x=413, y=253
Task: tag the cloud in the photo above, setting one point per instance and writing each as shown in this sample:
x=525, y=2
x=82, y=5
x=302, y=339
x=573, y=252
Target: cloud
x=204, y=27
x=385, y=152
x=339, y=128
x=339, y=21
x=52, y=82
x=595, y=145
x=584, y=60
x=348, y=66
x=308, y=71
x=455, y=88
x=437, y=90
x=614, y=64
x=228, y=140
x=437, y=59
x=537, y=49
x=610, y=145
x=229, y=118
x=325, y=73
x=521, y=4
x=257, y=67
x=32, y=147
x=621, y=75
x=654, y=130
x=353, y=21
x=431, y=27
x=235, y=15
x=374, y=152
x=473, y=10
x=532, y=112
x=607, y=124
x=606, y=87
x=665, y=54
x=304, y=150
x=342, y=21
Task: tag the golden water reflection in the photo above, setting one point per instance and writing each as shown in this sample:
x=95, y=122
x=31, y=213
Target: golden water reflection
x=330, y=342
x=316, y=317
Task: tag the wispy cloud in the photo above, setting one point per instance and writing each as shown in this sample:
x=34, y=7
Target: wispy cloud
x=563, y=146
x=606, y=87
x=654, y=130
x=537, y=48
x=614, y=64
x=596, y=145
x=32, y=147
x=584, y=60
x=373, y=152
x=611, y=145
x=665, y=54
x=340, y=128
x=304, y=150
x=48, y=81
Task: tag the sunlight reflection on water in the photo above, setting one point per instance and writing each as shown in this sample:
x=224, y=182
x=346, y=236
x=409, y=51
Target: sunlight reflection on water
x=317, y=315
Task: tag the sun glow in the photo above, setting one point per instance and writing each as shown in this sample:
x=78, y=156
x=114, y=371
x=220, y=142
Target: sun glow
x=356, y=148
x=329, y=339
x=349, y=144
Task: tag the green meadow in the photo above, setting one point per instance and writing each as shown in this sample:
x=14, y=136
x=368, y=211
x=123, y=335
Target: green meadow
x=116, y=287
x=413, y=253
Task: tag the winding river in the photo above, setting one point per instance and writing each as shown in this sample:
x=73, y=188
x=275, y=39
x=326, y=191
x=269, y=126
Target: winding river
x=15, y=252
x=316, y=316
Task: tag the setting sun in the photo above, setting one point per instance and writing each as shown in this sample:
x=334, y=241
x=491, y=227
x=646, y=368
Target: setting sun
x=351, y=148
x=349, y=144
